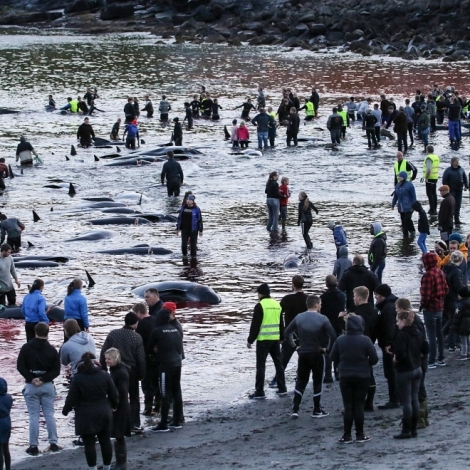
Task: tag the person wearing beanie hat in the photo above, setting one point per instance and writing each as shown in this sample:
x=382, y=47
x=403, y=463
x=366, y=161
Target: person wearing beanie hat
x=455, y=177
x=267, y=329
x=339, y=235
x=461, y=323
x=166, y=345
x=177, y=136
x=433, y=291
x=430, y=176
x=403, y=196
x=130, y=345
x=377, y=250
x=385, y=303
x=445, y=217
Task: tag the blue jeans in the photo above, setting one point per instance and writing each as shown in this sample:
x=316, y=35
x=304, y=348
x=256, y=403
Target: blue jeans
x=262, y=137
x=273, y=213
x=433, y=324
x=379, y=270
x=422, y=242
x=37, y=398
x=424, y=135
x=454, y=130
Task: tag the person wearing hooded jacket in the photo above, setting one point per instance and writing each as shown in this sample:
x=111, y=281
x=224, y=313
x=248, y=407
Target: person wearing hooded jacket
x=166, y=342
x=456, y=178
x=445, y=217
x=423, y=225
x=355, y=354
x=339, y=235
x=357, y=275
x=404, y=195
x=190, y=225
x=34, y=308
x=462, y=323
x=79, y=342
x=6, y=402
x=385, y=335
x=377, y=250
x=93, y=396
x=342, y=264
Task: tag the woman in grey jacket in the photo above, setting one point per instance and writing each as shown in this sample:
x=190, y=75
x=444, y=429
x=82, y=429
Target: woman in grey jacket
x=355, y=355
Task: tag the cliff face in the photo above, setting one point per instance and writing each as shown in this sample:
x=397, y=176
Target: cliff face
x=430, y=28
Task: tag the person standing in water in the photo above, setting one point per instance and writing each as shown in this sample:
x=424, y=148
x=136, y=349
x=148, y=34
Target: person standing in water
x=272, y=201
x=305, y=217
x=190, y=225
x=24, y=151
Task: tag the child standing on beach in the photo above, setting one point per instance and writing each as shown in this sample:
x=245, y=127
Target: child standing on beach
x=284, y=194
x=6, y=402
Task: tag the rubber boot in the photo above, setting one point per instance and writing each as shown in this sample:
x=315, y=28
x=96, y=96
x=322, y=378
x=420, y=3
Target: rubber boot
x=414, y=426
x=405, y=430
x=426, y=413
x=369, y=403
x=422, y=416
x=120, y=451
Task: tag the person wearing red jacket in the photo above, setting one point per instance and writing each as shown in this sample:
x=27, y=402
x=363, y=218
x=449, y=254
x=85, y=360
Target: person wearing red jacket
x=433, y=291
x=243, y=134
x=284, y=194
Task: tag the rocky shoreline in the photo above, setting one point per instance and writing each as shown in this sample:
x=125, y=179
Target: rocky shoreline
x=433, y=29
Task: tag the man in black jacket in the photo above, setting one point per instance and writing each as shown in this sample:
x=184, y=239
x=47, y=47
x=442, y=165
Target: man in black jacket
x=174, y=175
x=377, y=250
x=85, y=134
x=39, y=364
x=152, y=299
x=445, y=216
x=357, y=275
x=166, y=342
x=293, y=127
x=456, y=178
x=177, y=133
x=132, y=351
x=385, y=335
x=129, y=110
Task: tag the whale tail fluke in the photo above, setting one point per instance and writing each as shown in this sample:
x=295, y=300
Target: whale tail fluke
x=226, y=133
x=140, y=201
x=52, y=209
x=73, y=152
x=72, y=191
x=96, y=158
x=142, y=141
x=36, y=217
x=118, y=150
x=67, y=158
x=91, y=282
x=30, y=245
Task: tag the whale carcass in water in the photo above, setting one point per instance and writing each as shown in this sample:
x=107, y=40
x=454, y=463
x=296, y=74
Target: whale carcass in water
x=120, y=221
x=93, y=235
x=181, y=291
x=14, y=313
x=292, y=261
x=138, y=250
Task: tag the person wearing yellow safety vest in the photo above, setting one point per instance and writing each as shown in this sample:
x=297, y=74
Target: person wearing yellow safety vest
x=430, y=176
x=267, y=329
x=403, y=165
x=72, y=106
x=309, y=110
x=316, y=337
x=272, y=128
x=344, y=114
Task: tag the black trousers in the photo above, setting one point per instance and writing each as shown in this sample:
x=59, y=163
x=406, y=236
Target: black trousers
x=170, y=383
x=407, y=225
x=377, y=134
x=10, y=296
x=179, y=141
x=104, y=439
x=354, y=391
x=15, y=243
x=5, y=455
x=291, y=136
x=149, y=385
x=306, y=226
x=371, y=137
x=402, y=142
x=431, y=193
x=314, y=363
x=2, y=183
x=440, y=116
x=185, y=236
x=29, y=329
x=433, y=123
x=263, y=349
x=130, y=143
x=389, y=374
x=410, y=132
x=457, y=195
x=134, y=399
x=173, y=187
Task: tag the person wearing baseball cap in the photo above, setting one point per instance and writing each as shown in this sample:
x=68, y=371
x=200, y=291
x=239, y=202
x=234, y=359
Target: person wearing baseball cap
x=445, y=217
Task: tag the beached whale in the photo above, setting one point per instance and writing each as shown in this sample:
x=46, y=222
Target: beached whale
x=120, y=210
x=99, y=142
x=98, y=199
x=292, y=261
x=54, y=314
x=138, y=250
x=120, y=221
x=93, y=235
x=181, y=291
x=32, y=264
x=55, y=259
x=103, y=204
x=159, y=217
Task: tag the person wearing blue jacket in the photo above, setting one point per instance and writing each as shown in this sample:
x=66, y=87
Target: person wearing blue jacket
x=189, y=223
x=403, y=197
x=34, y=308
x=75, y=305
x=339, y=236
x=6, y=402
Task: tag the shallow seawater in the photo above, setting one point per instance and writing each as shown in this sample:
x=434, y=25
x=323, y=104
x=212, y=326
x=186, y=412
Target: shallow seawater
x=236, y=253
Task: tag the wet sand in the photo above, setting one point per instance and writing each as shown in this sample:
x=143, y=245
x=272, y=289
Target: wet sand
x=261, y=434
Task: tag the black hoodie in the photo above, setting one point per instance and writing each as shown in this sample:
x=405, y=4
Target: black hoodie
x=357, y=276
x=423, y=222
x=408, y=347
x=387, y=321
x=354, y=351
x=371, y=319
x=38, y=359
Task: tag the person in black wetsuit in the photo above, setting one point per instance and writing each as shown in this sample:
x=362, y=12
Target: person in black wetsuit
x=129, y=110
x=93, y=108
x=177, y=132
x=85, y=134
x=293, y=126
x=136, y=107
x=215, y=110
x=195, y=105
x=51, y=106
x=189, y=115
x=283, y=112
x=115, y=130
x=305, y=217
x=174, y=175
x=247, y=107
x=82, y=106
x=206, y=105
x=89, y=96
x=148, y=106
